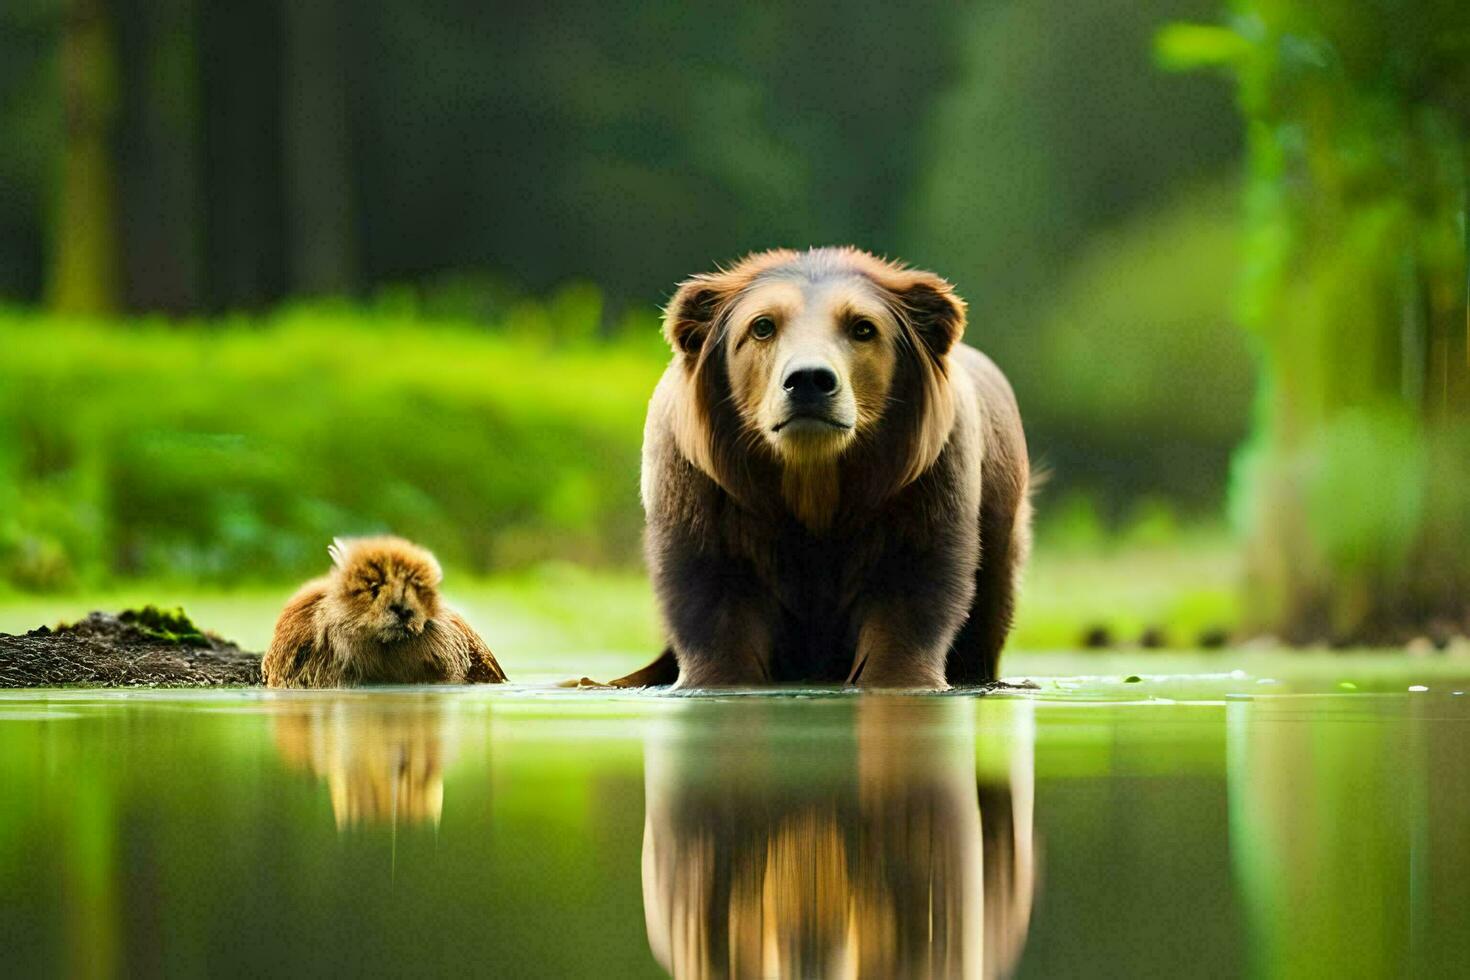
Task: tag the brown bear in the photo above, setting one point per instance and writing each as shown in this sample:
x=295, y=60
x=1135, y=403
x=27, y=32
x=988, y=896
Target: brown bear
x=836, y=488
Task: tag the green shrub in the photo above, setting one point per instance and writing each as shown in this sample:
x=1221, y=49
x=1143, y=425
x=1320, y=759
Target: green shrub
x=1135, y=380
x=230, y=451
x=236, y=451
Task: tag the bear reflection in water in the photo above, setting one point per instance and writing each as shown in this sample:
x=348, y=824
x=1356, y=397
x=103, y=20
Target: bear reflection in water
x=873, y=853
x=383, y=763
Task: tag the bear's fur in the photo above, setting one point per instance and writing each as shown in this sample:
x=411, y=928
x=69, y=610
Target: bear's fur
x=875, y=540
x=377, y=618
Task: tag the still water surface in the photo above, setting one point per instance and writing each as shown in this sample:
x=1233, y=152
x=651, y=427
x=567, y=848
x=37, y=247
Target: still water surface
x=1202, y=826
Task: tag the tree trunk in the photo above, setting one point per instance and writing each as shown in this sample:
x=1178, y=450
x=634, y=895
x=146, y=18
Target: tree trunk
x=1355, y=490
x=159, y=156
x=245, y=264
x=318, y=150
x=84, y=274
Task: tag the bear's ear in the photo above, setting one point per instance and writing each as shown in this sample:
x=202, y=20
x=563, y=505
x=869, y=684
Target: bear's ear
x=933, y=308
x=691, y=314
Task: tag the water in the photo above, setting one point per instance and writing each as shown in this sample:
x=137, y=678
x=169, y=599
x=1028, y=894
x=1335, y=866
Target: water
x=1199, y=825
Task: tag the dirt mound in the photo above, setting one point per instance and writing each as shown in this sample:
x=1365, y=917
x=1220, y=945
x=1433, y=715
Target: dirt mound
x=145, y=647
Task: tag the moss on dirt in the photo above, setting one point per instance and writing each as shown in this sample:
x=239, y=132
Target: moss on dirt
x=171, y=626
x=148, y=647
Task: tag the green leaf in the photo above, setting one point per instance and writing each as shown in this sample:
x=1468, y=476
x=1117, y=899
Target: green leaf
x=1186, y=47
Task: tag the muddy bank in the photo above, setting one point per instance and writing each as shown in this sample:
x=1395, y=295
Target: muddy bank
x=136, y=648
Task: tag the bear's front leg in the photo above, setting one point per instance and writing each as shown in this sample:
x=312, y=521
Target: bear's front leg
x=890, y=657
x=916, y=603
x=719, y=622
x=729, y=647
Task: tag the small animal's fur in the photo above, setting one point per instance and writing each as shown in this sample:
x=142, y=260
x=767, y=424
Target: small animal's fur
x=376, y=618
x=877, y=540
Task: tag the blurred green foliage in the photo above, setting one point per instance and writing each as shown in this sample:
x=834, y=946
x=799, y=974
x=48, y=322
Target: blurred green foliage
x=1053, y=127
x=161, y=449
x=1135, y=381
x=1355, y=487
x=626, y=143
x=235, y=450
x=467, y=160
x=445, y=168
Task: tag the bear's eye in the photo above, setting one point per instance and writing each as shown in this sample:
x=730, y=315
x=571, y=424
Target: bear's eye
x=864, y=330
x=763, y=328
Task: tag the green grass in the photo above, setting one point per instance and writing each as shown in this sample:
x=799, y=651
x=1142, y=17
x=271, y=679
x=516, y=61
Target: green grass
x=541, y=623
x=559, y=621
x=1181, y=588
x=562, y=620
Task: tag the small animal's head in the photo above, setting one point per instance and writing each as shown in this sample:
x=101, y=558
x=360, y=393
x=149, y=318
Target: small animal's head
x=384, y=588
x=812, y=354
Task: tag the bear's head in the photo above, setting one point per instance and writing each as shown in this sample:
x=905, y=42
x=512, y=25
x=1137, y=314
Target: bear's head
x=824, y=373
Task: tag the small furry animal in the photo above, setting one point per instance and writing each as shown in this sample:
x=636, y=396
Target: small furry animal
x=376, y=618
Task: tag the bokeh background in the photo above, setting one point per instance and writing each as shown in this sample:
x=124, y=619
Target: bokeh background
x=274, y=272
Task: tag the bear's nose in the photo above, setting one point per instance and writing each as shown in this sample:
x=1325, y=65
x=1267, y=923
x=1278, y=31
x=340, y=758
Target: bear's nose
x=403, y=613
x=810, y=383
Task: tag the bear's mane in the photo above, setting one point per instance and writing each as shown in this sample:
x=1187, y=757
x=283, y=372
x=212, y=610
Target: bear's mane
x=917, y=418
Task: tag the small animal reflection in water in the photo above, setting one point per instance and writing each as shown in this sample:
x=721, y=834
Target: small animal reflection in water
x=382, y=764
x=782, y=858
